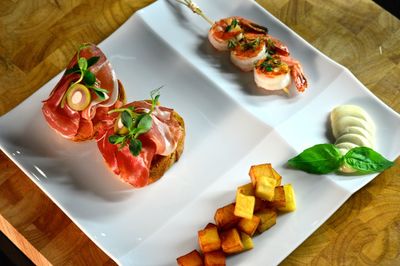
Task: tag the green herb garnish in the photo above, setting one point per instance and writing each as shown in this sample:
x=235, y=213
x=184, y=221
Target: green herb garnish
x=136, y=123
x=231, y=26
x=89, y=79
x=326, y=158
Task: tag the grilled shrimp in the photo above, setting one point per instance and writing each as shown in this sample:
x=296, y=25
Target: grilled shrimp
x=232, y=29
x=247, y=51
x=277, y=72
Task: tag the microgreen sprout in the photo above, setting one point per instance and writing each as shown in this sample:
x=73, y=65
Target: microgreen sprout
x=136, y=124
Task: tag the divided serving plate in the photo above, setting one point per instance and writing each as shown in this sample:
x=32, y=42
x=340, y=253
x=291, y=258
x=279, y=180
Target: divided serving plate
x=230, y=126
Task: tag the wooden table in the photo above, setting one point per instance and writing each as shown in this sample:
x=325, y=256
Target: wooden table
x=38, y=38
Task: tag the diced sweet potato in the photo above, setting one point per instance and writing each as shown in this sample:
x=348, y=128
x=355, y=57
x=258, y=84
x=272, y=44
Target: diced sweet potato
x=249, y=226
x=244, y=206
x=290, y=199
x=193, y=258
x=265, y=187
x=214, y=258
x=267, y=219
x=247, y=241
x=230, y=241
x=279, y=198
x=259, y=204
x=209, y=239
x=225, y=218
x=247, y=189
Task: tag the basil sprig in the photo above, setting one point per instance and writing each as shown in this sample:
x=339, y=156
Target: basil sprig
x=136, y=123
x=89, y=79
x=326, y=158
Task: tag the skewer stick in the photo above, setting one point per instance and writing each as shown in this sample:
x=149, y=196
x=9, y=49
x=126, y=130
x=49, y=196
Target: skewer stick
x=196, y=9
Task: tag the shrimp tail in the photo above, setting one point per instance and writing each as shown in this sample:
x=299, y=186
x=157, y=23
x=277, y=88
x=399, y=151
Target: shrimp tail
x=298, y=78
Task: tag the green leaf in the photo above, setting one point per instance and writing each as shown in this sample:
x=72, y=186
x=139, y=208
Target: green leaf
x=100, y=94
x=126, y=119
x=89, y=78
x=74, y=69
x=144, y=124
x=93, y=60
x=82, y=63
x=319, y=159
x=135, y=146
x=366, y=160
x=116, y=139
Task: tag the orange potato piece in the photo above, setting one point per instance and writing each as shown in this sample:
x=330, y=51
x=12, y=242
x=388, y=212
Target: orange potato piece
x=267, y=219
x=249, y=226
x=277, y=177
x=209, y=239
x=290, y=199
x=260, y=170
x=244, y=206
x=225, y=218
x=214, y=258
x=247, y=241
x=192, y=258
x=231, y=242
x=279, y=198
x=210, y=225
x=247, y=189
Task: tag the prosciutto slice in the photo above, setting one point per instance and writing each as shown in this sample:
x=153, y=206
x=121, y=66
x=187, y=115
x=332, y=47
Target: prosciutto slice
x=162, y=139
x=78, y=125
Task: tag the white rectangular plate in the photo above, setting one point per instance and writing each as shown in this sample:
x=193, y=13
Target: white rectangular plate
x=230, y=125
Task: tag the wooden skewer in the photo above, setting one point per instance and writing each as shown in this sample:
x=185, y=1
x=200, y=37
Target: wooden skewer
x=196, y=9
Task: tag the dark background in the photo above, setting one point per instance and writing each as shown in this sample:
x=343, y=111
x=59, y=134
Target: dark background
x=10, y=254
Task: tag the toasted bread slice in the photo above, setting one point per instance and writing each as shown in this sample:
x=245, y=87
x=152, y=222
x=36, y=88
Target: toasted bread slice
x=161, y=164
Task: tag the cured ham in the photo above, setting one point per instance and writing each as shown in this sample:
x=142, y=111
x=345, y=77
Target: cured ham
x=64, y=117
x=162, y=139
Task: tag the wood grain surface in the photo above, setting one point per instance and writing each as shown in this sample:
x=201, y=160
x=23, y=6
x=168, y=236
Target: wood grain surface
x=37, y=40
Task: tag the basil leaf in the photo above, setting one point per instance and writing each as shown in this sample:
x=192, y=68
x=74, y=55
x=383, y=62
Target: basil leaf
x=98, y=89
x=100, y=94
x=126, y=119
x=93, y=60
x=135, y=146
x=366, y=160
x=74, y=69
x=319, y=159
x=89, y=78
x=116, y=139
x=82, y=63
x=144, y=124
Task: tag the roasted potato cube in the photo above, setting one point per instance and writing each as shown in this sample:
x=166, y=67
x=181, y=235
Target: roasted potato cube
x=247, y=241
x=279, y=198
x=247, y=189
x=193, y=258
x=267, y=219
x=210, y=225
x=290, y=199
x=225, y=218
x=244, y=206
x=277, y=177
x=265, y=187
x=259, y=204
x=230, y=241
x=249, y=226
x=214, y=258
x=209, y=239
x=260, y=170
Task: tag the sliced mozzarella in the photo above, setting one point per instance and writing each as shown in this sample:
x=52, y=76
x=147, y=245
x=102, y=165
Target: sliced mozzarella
x=344, y=147
x=277, y=82
x=362, y=132
x=357, y=139
x=351, y=110
x=341, y=125
x=247, y=63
